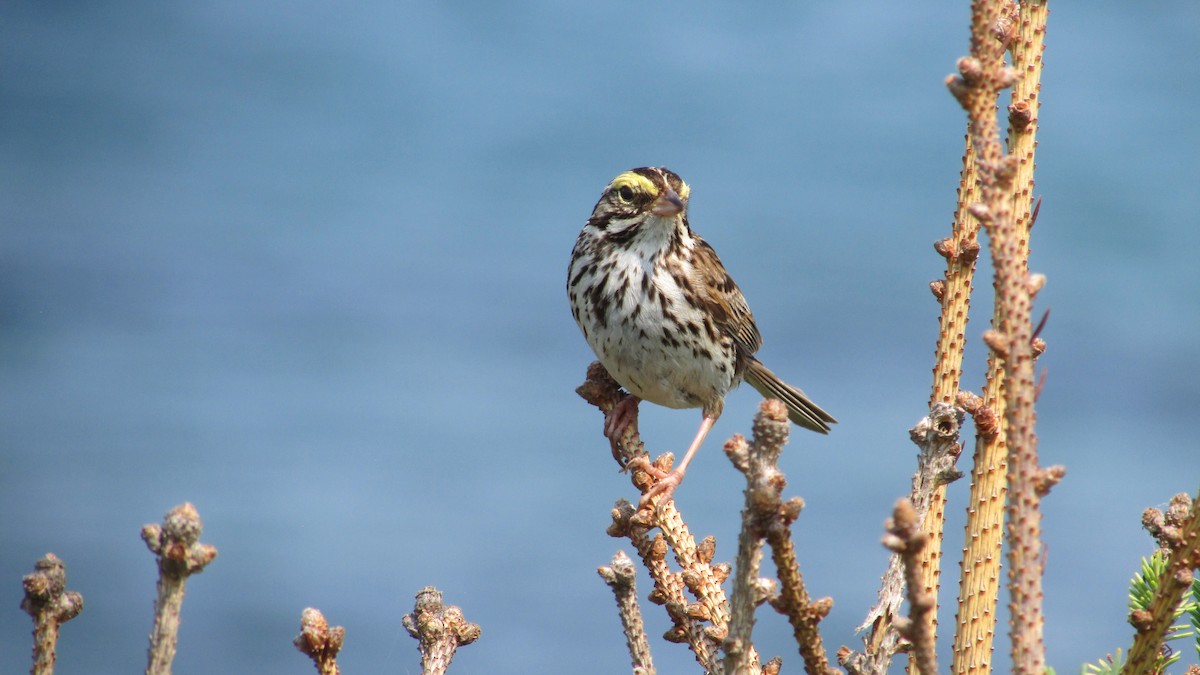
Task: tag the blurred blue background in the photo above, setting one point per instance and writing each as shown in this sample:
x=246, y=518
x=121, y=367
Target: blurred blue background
x=303, y=265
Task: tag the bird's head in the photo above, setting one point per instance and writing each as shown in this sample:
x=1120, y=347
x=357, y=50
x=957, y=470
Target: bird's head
x=638, y=194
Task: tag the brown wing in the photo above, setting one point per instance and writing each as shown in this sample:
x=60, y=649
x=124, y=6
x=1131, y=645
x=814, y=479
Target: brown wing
x=724, y=300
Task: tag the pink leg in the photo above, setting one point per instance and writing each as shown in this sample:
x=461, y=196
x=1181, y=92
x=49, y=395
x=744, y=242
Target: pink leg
x=668, y=482
x=617, y=422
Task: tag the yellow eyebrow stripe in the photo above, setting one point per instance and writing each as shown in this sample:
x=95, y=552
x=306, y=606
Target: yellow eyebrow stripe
x=636, y=181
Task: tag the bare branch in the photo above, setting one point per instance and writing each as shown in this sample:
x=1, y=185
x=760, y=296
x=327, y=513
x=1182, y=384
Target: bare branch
x=176, y=543
x=936, y=436
x=50, y=604
x=766, y=516
x=906, y=541
x=439, y=629
x=621, y=577
x=320, y=642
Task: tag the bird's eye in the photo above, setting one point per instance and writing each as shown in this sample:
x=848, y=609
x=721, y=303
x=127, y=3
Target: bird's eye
x=625, y=193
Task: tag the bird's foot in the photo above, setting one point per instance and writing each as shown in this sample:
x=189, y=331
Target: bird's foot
x=664, y=485
x=663, y=490
x=617, y=422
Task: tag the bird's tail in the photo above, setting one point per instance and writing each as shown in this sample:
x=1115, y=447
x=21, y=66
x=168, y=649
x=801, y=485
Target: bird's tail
x=801, y=411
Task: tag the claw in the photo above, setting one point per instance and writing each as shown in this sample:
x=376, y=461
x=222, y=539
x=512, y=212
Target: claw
x=667, y=482
x=663, y=489
x=617, y=422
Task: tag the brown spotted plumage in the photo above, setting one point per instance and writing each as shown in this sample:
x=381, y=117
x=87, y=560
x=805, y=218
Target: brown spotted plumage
x=658, y=308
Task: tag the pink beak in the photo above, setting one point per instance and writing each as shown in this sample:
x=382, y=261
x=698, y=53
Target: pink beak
x=667, y=204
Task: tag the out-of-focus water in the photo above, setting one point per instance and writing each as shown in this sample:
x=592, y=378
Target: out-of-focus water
x=303, y=265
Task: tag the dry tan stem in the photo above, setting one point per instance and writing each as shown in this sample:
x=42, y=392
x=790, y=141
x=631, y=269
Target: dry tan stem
x=697, y=573
x=320, y=642
x=961, y=250
x=439, y=629
x=621, y=577
x=775, y=516
x=979, y=582
x=766, y=517
x=803, y=614
x=669, y=588
x=936, y=436
x=1182, y=538
x=982, y=75
x=1027, y=48
x=906, y=541
x=747, y=564
x=50, y=604
x=1023, y=30
x=176, y=543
